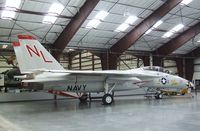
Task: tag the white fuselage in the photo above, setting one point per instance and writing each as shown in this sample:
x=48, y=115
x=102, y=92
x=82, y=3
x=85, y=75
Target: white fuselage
x=95, y=83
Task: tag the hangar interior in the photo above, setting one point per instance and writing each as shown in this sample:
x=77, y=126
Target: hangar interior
x=107, y=34
x=103, y=35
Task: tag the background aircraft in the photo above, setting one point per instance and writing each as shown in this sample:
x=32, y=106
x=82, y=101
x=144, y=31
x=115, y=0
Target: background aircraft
x=38, y=65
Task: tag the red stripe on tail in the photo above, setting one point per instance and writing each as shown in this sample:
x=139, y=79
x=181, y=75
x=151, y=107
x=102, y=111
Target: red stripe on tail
x=26, y=37
x=16, y=44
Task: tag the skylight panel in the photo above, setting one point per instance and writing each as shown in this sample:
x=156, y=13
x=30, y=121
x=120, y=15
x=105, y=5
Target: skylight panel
x=56, y=9
x=101, y=15
x=49, y=19
x=7, y=14
x=131, y=19
x=93, y=23
x=173, y=30
x=186, y=2
x=13, y=4
x=122, y=27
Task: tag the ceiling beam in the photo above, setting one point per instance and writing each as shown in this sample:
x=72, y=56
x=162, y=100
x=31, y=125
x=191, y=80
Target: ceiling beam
x=73, y=26
x=129, y=39
x=178, y=41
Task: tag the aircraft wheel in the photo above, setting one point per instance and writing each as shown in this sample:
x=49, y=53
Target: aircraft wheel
x=182, y=94
x=159, y=96
x=83, y=98
x=107, y=99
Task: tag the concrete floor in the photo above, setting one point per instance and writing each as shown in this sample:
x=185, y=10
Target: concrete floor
x=127, y=114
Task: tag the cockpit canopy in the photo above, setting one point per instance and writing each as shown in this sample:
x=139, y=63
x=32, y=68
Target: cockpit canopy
x=157, y=68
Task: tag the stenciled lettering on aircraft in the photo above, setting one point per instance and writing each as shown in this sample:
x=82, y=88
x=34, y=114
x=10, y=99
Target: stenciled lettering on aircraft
x=76, y=87
x=35, y=51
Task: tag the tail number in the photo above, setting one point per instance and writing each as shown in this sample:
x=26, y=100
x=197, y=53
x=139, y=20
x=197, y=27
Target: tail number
x=37, y=53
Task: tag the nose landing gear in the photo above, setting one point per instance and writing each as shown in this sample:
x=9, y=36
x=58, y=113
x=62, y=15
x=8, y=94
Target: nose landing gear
x=108, y=96
x=158, y=95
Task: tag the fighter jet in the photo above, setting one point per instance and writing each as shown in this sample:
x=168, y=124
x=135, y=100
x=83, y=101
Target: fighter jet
x=39, y=65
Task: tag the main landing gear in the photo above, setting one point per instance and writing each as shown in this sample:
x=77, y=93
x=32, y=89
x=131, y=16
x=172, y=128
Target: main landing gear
x=107, y=99
x=108, y=96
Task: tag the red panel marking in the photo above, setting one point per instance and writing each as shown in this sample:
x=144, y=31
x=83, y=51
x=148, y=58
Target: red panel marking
x=62, y=93
x=45, y=60
x=16, y=44
x=32, y=50
x=26, y=37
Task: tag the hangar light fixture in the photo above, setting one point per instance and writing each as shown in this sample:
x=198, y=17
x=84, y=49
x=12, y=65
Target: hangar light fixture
x=56, y=9
x=93, y=23
x=13, y=4
x=10, y=7
x=7, y=14
x=101, y=15
x=122, y=27
x=49, y=19
x=173, y=30
x=158, y=23
x=129, y=21
x=186, y=2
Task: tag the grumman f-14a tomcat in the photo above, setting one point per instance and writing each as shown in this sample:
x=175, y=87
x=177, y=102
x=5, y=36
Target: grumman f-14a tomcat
x=39, y=65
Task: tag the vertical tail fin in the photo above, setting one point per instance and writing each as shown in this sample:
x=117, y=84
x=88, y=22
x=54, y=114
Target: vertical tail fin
x=31, y=55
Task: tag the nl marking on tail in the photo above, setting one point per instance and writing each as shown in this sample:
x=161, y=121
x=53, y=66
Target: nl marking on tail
x=36, y=52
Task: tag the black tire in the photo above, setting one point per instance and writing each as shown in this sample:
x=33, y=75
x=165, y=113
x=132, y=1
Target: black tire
x=182, y=94
x=107, y=99
x=83, y=98
x=158, y=96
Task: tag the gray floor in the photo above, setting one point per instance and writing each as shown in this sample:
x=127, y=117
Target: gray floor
x=127, y=114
